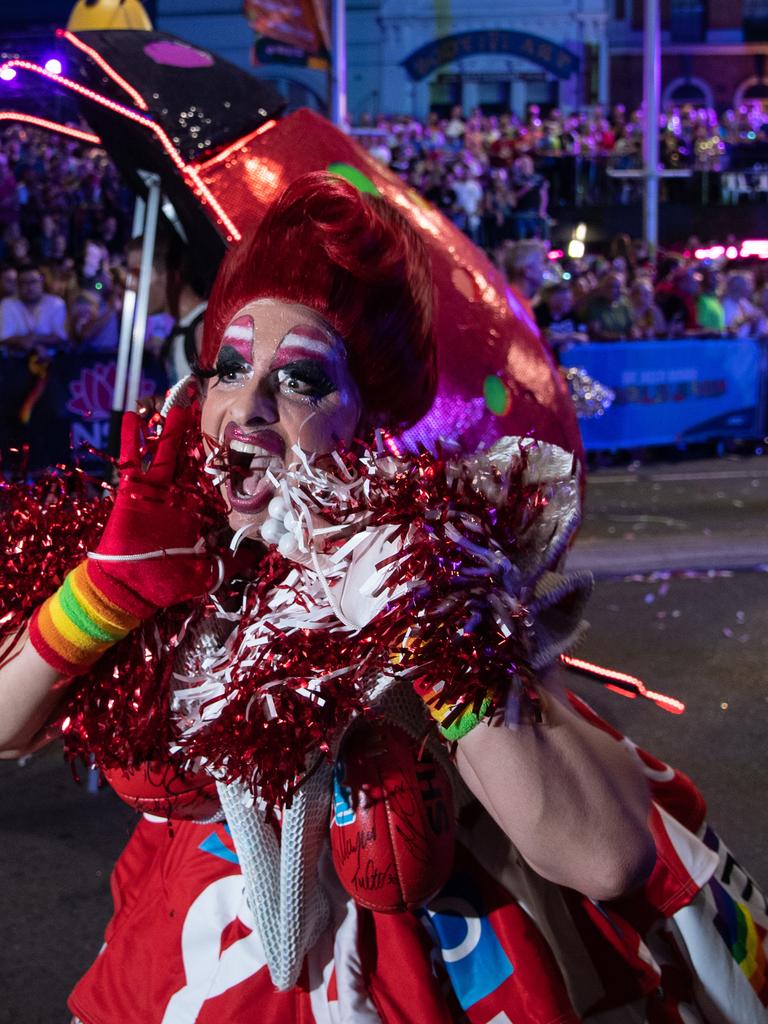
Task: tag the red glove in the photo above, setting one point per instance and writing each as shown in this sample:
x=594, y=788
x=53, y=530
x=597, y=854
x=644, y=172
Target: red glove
x=152, y=553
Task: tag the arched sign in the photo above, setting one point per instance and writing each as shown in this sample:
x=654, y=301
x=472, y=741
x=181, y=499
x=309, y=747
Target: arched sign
x=548, y=55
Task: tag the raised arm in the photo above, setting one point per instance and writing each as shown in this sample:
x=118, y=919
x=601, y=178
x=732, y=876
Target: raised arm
x=30, y=690
x=150, y=556
x=567, y=795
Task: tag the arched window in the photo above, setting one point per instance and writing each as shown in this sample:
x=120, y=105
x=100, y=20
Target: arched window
x=754, y=90
x=688, y=90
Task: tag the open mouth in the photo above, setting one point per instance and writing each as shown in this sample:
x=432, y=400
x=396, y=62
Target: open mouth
x=248, y=488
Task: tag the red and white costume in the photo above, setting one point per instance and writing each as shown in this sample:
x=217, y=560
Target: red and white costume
x=690, y=947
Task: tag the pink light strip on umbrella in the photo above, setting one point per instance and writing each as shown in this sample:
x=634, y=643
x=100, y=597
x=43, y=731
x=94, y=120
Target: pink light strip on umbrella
x=105, y=66
x=237, y=144
x=187, y=170
x=53, y=126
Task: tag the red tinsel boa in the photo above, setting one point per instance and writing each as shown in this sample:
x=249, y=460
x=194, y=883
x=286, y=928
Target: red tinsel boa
x=118, y=711
x=452, y=551
x=461, y=544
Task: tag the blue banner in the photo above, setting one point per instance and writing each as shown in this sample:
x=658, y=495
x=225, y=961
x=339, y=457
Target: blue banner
x=673, y=392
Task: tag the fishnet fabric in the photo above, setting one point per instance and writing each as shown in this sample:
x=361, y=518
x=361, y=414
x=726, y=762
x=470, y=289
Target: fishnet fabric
x=281, y=878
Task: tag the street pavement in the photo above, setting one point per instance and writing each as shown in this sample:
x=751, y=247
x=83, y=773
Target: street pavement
x=680, y=553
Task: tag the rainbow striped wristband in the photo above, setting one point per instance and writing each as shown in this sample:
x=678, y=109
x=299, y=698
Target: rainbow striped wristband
x=462, y=718
x=77, y=624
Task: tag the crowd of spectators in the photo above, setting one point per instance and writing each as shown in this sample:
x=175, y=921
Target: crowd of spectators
x=64, y=215
x=496, y=176
x=626, y=297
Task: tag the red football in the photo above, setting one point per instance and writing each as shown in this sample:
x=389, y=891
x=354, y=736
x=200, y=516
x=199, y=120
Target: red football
x=160, y=789
x=392, y=823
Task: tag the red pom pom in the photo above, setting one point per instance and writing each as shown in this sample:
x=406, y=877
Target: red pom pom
x=161, y=789
x=392, y=827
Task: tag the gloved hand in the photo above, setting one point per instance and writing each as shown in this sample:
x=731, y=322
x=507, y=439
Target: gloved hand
x=151, y=555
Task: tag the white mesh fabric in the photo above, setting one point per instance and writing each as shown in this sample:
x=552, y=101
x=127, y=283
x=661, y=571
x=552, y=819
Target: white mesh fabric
x=281, y=877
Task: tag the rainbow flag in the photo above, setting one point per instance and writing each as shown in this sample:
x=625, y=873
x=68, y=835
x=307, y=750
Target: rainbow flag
x=743, y=936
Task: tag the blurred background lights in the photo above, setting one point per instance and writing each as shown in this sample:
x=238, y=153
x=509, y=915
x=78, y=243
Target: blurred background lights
x=53, y=66
x=7, y=74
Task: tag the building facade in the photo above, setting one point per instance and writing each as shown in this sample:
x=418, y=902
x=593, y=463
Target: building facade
x=410, y=56
x=714, y=52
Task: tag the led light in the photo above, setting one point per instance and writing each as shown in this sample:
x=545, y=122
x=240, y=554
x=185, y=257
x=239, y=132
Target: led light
x=234, y=146
x=628, y=686
x=754, y=247
x=7, y=74
x=576, y=249
x=731, y=252
x=713, y=252
x=187, y=170
x=54, y=66
x=107, y=68
x=52, y=126
x=580, y=232
x=555, y=254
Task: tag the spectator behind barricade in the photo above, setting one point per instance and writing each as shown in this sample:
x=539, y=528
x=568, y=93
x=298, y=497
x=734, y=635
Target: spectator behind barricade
x=523, y=264
x=93, y=322
x=9, y=283
x=530, y=192
x=648, y=321
x=676, y=296
x=111, y=236
x=709, y=308
x=94, y=269
x=61, y=278
x=45, y=237
x=469, y=195
x=35, y=319
x=557, y=321
x=20, y=250
x=742, y=318
x=9, y=202
x=608, y=313
x=177, y=287
x=455, y=128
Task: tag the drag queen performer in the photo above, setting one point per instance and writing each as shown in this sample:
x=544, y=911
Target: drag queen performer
x=382, y=613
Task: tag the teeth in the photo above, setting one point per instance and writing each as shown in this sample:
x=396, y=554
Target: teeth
x=249, y=449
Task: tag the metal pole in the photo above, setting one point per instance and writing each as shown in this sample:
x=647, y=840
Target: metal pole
x=142, y=291
x=651, y=91
x=124, y=344
x=339, y=64
x=126, y=320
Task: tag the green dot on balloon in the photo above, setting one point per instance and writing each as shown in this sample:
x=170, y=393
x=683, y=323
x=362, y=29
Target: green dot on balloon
x=496, y=395
x=355, y=177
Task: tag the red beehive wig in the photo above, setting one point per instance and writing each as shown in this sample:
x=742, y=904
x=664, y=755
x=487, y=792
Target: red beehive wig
x=357, y=262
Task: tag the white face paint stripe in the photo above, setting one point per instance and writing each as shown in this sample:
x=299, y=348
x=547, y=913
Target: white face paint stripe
x=322, y=348
x=239, y=333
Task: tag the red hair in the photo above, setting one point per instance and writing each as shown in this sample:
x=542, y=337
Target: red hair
x=357, y=262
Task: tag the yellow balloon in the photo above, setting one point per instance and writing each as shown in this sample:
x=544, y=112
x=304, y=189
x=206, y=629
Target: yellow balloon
x=88, y=15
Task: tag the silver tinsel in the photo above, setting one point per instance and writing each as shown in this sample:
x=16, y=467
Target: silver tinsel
x=590, y=397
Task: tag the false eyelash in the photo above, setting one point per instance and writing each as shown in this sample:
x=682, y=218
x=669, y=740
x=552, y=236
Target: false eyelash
x=308, y=372
x=203, y=373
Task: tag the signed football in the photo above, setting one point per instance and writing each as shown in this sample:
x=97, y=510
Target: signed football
x=160, y=789
x=392, y=821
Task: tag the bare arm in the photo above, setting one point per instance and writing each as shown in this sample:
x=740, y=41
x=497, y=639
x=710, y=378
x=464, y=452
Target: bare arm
x=567, y=795
x=29, y=693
